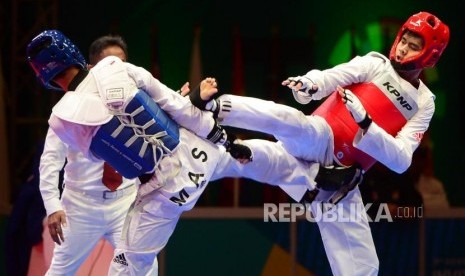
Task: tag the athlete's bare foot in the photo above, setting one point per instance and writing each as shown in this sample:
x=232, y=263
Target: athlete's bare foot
x=208, y=88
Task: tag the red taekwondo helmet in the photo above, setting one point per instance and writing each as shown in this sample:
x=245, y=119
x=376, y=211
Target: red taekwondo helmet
x=435, y=35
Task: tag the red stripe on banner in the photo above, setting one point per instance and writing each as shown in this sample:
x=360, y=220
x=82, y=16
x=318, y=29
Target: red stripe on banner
x=238, y=87
x=196, y=74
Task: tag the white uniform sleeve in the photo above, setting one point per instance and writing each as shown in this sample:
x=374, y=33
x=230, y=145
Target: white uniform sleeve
x=51, y=162
x=179, y=108
x=396, y=152
x=76, y=136
x=359, y=69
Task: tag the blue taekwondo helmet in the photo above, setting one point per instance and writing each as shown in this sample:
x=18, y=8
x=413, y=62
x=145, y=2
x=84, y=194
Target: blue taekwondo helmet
x=50, y=53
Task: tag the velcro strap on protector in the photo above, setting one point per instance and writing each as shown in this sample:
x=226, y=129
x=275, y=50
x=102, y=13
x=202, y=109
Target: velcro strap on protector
x=133, y=142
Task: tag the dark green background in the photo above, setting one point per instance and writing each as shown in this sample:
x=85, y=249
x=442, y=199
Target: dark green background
x=280, y=39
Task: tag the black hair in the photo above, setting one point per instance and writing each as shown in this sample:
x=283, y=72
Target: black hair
x=103, y=42
x=412, y=33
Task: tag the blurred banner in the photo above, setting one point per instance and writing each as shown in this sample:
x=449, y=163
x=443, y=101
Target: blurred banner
x=4, y=165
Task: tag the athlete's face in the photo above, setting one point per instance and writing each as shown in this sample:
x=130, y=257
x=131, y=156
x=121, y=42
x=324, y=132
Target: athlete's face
x=409, y=46
x=110, y=51
x=113, y=51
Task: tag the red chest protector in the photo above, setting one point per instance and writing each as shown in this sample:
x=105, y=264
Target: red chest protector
x=388, y=106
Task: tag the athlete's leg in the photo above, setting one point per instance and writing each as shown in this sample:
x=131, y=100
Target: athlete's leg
x=144, y=235
x=271, y=164
x=117, y=212
x=347, y=237
x=84, y=229
x=305, y=137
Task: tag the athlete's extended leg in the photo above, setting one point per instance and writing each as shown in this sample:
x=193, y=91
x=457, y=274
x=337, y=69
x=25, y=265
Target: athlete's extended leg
x=273, y=165
x=305, y=137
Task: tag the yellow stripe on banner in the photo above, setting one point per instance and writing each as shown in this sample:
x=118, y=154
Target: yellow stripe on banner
x=280, y=263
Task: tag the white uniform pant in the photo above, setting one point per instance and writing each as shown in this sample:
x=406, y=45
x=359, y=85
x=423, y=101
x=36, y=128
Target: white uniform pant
x=348, y=245
x=89, y=218
x=306, y=137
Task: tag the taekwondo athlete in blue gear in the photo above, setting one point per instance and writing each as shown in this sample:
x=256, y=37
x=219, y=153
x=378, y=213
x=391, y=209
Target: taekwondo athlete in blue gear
x=87, y=210
x=45, y=72
x=96, y=97
x=111, y=89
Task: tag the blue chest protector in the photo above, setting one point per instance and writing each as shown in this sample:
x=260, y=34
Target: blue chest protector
x=134, y=142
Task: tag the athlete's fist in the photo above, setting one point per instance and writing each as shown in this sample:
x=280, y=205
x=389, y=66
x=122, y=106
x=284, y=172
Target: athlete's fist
x=302, y=84
x=240, y=152
x=237, y=150
x=355, y=107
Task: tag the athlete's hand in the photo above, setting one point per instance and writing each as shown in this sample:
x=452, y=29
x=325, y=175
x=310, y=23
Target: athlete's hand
x=302, y=84
x=56, y=222
x=355, y=107
x=240, y=152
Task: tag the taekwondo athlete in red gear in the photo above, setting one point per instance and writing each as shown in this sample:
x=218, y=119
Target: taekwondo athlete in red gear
x=110, y=111
x=387, y=110
x=398, y=102
x=331, y=135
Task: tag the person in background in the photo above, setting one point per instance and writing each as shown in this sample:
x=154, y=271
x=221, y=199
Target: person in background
x=421, y=172
x=25, y=225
